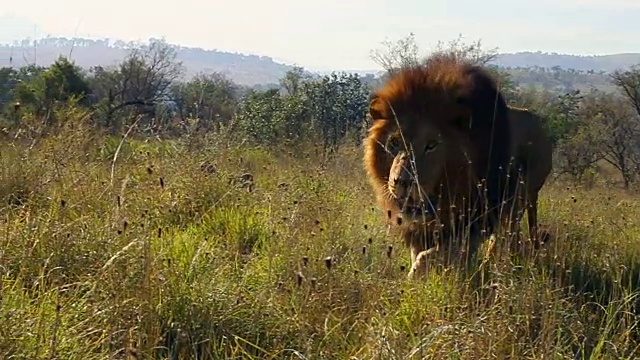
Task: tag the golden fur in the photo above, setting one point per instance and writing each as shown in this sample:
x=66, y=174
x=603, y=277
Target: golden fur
x=443, y=128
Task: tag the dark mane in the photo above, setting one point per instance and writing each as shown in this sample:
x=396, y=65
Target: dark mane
x=440, y=83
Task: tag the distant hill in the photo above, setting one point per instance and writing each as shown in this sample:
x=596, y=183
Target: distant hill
x=606, y=63
x=528, y=68
x=242, y=68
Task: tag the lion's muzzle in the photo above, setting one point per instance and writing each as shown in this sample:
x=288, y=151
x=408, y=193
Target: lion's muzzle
x=404, y=188
x=401, y=179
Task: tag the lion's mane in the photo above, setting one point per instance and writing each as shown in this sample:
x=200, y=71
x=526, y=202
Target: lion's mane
x=430, y=92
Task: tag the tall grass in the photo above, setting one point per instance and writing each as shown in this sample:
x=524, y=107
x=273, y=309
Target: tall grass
x=177, y=259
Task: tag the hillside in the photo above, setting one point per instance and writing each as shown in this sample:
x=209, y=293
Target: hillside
x=528, y=68
x=566, y=61
x=242, y=68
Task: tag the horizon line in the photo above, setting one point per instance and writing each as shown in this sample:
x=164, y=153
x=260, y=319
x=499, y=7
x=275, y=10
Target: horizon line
x=278, y=60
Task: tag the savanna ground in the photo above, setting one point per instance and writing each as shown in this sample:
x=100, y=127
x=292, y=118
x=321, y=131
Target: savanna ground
x=158, y=257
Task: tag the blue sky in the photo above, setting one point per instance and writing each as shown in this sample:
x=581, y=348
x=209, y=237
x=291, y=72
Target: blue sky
x=336, y=34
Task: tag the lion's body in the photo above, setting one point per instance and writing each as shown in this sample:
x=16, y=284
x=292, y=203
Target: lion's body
x=532, y=151
x=442, y=125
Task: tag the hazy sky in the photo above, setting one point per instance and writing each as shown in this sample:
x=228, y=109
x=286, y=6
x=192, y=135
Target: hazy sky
x=336, y=34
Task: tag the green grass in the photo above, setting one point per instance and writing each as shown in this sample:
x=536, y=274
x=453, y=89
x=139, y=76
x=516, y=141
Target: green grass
x=300, y=267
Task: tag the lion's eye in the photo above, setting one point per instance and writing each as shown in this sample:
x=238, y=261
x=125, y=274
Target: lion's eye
x=430, y=146
x=393, y=145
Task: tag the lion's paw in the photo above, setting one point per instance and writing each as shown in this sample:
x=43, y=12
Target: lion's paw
x=419, y=267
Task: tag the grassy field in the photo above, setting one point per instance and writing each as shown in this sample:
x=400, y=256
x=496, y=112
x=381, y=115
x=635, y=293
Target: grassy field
x=160, y=257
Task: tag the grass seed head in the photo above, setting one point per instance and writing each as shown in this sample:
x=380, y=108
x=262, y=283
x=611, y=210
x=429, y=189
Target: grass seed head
x=328, y=262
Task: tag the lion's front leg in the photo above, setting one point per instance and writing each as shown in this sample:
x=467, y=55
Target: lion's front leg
x=418, y=262
x=419, y=258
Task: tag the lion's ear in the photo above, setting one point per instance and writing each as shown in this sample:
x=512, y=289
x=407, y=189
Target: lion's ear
x=378, y=108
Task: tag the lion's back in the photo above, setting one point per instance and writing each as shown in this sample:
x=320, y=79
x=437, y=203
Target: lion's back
x=531, y=144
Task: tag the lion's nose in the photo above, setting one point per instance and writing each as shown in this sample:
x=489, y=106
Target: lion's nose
x=403, y=178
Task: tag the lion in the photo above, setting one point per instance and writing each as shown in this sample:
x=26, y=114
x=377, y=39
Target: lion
x=437, y=154
x=532, y=154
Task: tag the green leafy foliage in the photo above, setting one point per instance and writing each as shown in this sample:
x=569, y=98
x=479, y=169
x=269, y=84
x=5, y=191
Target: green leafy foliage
x=208, y=98
x=40, y=89
x=332, y=106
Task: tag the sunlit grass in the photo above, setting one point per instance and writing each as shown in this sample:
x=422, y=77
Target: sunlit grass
x=166, y=259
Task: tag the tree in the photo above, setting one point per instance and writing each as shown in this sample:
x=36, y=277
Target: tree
x=472, y=52
x=208, y=98
x=562, y=118
x=398, y=54
x=338, y=103
x=257, y=115
x=331, y=106
x=293, y=80
x=8, y=81
x=141, y=81
x=619, y=129
x=405, y=52
x=63, y=80
x=628, y=82
x=577, y=139
x=60, y=82
x=624, y=129
x=578, y=155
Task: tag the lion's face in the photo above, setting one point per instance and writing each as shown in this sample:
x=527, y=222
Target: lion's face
x=416, y=164
x=418, y=161
x=438, y=129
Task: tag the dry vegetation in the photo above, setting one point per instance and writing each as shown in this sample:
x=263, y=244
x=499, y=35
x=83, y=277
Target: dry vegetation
x=175, y=258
